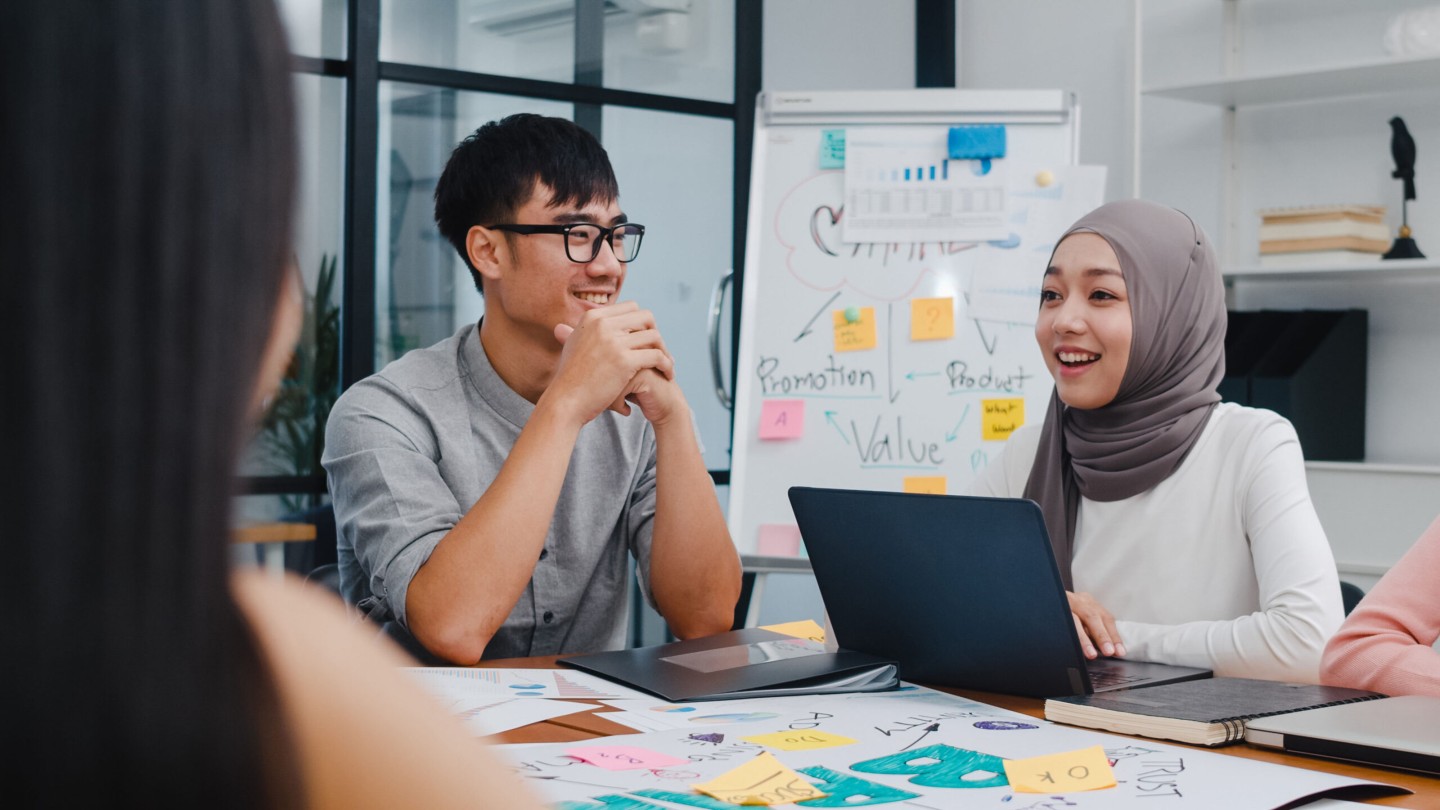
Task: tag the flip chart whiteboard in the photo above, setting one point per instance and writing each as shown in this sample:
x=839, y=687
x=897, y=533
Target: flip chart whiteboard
x=891, y=364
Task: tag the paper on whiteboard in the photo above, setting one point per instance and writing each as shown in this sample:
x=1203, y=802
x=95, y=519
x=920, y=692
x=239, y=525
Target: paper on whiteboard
x=901, y=186
x=1005, y=282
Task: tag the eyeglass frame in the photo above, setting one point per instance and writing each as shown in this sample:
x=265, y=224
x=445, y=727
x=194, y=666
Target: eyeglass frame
x=606, y=235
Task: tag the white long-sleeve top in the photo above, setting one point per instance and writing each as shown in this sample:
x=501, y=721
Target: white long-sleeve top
x=1222, y=565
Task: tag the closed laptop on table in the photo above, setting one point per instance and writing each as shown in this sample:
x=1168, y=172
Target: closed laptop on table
x=961, y=591
x=1395, y=732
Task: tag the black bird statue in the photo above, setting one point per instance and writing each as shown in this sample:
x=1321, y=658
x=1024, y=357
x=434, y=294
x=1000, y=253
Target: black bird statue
x=1402, y=149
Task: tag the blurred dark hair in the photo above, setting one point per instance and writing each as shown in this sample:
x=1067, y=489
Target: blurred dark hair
x=494, y=171
x=145, y=223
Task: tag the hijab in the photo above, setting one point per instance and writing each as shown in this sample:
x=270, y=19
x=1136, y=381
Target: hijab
x=1177, y=358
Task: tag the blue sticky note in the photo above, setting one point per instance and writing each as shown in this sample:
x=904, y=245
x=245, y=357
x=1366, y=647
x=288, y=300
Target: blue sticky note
x=832, y=149
x=977, y=141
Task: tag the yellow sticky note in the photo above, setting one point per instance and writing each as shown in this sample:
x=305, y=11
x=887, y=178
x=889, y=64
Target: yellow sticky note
x=1086, y=769
x=802, y=740
x=761, y=781
x=857, y=335
x=1000, y=417
x=925, y=484
x=806, y=629
x=932, y=318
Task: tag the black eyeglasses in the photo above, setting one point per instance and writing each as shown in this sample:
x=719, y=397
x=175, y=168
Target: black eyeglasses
x=582, y=239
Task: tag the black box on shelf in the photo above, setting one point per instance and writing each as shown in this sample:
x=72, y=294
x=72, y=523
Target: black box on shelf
x=1248, y=337
x=1308, y=366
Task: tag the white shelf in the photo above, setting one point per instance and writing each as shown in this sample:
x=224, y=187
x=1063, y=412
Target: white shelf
x=1389, y=75
x=1372, y=467
x=1380, y=268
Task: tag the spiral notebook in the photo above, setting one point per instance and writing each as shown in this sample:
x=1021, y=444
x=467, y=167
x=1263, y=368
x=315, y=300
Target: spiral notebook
x=1207, y=712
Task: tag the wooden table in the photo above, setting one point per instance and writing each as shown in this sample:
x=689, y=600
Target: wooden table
x=271, y=538
x=587, y=725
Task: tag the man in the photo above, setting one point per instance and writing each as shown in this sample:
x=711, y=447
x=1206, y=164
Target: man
x=487, y=489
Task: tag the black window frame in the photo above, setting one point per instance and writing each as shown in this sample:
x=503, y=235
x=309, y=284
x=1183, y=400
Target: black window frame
x=363, y=71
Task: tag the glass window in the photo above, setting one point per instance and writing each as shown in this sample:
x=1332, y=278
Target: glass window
x=688, y=51
x=296, y=548
x=292, y=433
x=315, y=27
x=532, y=39
x=675, y=178
x=424, y=291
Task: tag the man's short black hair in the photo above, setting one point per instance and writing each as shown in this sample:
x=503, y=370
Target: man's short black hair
x=494, y=171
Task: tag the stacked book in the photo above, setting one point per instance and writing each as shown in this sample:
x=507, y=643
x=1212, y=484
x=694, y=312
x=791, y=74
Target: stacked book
x=1326, y=234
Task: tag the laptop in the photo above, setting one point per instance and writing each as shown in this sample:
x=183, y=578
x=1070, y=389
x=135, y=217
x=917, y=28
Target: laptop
x=1393, y=732
x=960, y=591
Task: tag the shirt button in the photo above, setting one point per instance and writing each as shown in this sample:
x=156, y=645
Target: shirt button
x=544, y=552
x=548, y=617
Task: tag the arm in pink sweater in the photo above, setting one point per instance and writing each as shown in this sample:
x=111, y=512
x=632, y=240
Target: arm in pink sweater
x=1385, y=644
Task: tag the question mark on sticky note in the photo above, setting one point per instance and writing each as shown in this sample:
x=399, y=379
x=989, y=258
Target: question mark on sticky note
x=932, y=318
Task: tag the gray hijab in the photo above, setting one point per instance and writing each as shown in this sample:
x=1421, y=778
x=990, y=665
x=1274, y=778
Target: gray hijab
x=1177, y=358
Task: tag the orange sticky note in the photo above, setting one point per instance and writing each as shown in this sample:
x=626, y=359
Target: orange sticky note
x=761, y=781
x=800, y=740
x=806, y=628
x=857, y=335
x=782, y=419
x=932, y=318
x=778, y=540
x=1000, y=417
x=1086, y=769
x=925, y=484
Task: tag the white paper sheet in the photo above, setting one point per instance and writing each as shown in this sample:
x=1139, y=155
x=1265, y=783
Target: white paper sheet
x=915, y=751
x=901, y=186
x=522, y=683
x=1006, y=277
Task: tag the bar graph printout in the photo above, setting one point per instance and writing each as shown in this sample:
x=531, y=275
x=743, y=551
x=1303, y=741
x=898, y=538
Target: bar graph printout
x=901, y=186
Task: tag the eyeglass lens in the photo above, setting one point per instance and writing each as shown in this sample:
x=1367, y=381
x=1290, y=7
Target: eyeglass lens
x=583, y=244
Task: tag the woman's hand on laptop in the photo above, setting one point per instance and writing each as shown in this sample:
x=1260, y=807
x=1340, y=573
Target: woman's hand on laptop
x=1095, y=626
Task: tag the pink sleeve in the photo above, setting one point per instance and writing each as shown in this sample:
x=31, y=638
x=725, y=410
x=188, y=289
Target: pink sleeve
x=1385, y=644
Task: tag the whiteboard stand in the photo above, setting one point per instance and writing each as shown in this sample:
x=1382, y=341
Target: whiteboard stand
x=755, y=568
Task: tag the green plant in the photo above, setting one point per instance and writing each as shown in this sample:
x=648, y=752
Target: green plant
x=293, y=430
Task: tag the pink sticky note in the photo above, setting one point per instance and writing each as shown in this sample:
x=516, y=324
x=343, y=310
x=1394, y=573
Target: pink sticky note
x=624, y=757
x=782, y=419
x=778, y=540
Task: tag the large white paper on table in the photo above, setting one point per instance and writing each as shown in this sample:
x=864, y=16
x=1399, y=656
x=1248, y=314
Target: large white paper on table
x=902, y=186
x=522, y=683
x=918, y=749
x=493, y=717
x=1006, y=276
x=656, y=715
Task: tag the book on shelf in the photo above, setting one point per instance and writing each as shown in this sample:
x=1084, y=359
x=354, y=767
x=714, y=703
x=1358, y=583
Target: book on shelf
x=1323, y=213
x=1326, y=229
x=1319, y=258
x=1268, y=246
x=1323, y=234
x=1207, y=712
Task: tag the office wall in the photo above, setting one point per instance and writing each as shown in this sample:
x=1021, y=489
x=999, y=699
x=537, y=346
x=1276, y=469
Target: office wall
x=1084, y=46
x=838, y=45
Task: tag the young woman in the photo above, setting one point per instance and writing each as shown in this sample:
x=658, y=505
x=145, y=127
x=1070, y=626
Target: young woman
x=145, y=216
x=1387, y=643
x=1182, y=525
